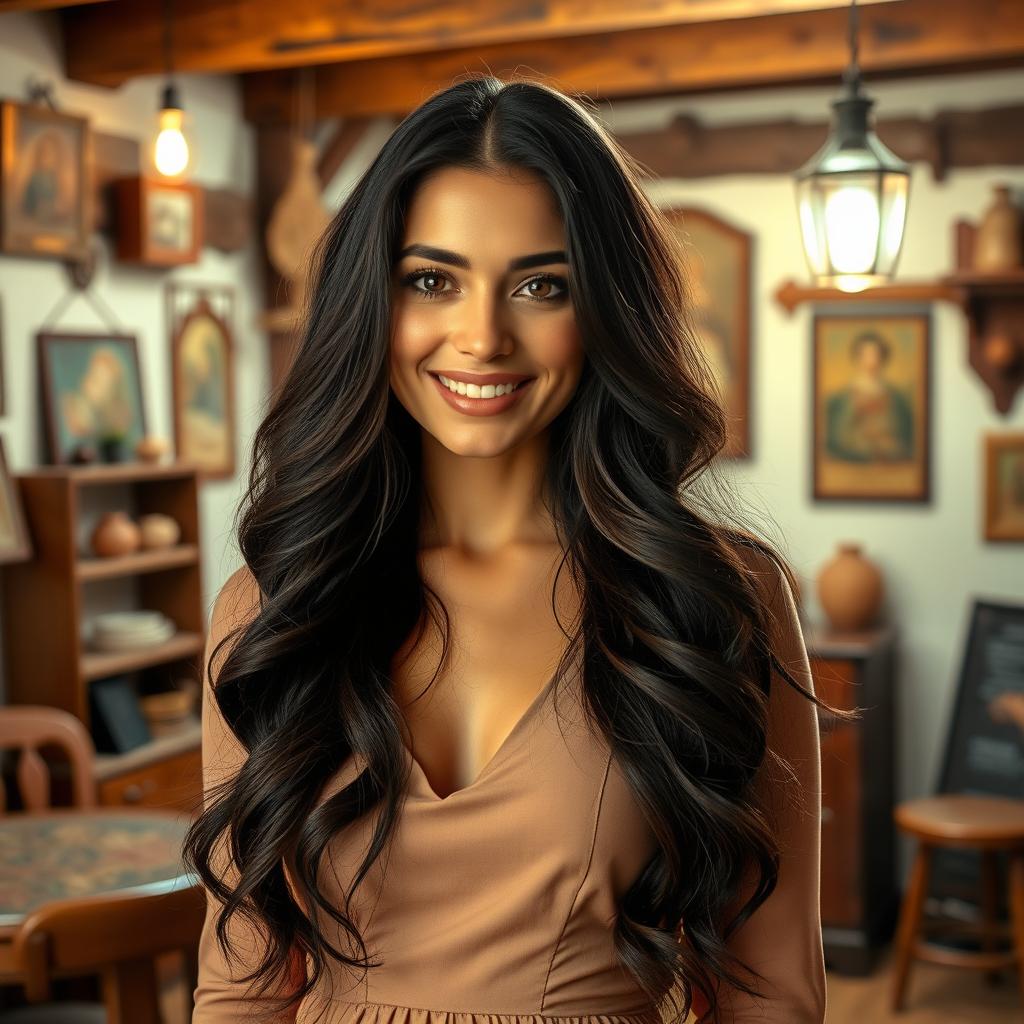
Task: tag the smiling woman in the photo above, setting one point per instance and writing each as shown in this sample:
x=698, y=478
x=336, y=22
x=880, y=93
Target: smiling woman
x=505, y=720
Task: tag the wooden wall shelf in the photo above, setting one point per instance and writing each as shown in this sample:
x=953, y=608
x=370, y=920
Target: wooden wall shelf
x=141, y=561
x=47, y=609
x=100, y=664
x=791, y=294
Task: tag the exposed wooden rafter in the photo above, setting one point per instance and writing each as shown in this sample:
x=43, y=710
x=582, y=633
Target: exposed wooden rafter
x=41, y=5
x=686, y=148
x=108, y=46
x=913, y=37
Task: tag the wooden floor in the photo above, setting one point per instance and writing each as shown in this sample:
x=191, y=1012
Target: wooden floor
x=935, y=995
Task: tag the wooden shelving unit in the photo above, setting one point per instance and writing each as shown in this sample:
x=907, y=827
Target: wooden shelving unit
x=48, y=606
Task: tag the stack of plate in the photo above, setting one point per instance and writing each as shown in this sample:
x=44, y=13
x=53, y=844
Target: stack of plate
x=124, y=631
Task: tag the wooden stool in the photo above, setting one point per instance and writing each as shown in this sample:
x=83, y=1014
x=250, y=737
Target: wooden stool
x=988, y=824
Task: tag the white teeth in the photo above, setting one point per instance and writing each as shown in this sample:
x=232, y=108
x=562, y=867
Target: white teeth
x=475, y=390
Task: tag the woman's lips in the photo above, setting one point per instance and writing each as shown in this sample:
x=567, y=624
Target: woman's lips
x=480, y=406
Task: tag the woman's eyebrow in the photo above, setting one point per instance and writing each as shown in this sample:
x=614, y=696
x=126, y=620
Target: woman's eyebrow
x=431, y=252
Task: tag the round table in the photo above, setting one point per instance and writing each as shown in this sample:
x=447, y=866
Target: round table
x=69, y=852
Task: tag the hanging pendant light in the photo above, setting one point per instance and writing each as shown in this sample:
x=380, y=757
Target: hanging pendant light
x=852, y=195
x=170, y=149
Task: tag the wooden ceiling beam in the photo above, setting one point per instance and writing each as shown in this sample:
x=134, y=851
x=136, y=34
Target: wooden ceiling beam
x=108, y=45
x=913, y=37
x=41, y=5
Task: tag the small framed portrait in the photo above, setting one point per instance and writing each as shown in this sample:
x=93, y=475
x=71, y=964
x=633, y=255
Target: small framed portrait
x=15, y=542
x=46, y=181
x=717, y=270
x=202, y=367
x=871, y=406
x=160, y=223
x=1004, y=486
x=91, y=395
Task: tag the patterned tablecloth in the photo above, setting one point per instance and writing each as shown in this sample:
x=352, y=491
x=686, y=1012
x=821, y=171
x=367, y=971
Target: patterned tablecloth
x=66, y=853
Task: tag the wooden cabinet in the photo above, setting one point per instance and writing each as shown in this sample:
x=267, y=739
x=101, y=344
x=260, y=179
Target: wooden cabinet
x=49, y=600
x=165, y=780
x=859, y=895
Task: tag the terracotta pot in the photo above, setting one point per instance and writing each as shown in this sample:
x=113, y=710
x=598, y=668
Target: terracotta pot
x=997, y=244
x=151, y=448
x=159, y=530
x=115, y=534
x=850, y=588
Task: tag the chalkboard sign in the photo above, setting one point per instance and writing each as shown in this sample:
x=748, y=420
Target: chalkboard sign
x=984, y=749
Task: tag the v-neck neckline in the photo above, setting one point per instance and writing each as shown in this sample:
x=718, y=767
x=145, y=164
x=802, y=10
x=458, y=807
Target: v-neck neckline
x=520, y=724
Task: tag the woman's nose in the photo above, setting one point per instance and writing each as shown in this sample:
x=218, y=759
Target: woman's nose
x=484, y=332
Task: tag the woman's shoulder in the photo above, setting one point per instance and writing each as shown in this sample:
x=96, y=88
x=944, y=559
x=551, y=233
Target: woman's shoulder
x=237, y=603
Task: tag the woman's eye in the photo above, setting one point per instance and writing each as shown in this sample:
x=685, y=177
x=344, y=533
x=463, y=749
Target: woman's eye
x=437, y=277
x=548, y=280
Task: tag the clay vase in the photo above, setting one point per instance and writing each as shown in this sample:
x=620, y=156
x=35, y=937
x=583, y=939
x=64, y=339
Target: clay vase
x=159, y=530
x=997, y=244
x=850, y=588
x=115, y=534
x=151, y=448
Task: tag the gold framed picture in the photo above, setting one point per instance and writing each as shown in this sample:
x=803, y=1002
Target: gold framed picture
x=202, y=366
x=717, y=268
x=46, y=181
x=1004, y=486
x=871, y=406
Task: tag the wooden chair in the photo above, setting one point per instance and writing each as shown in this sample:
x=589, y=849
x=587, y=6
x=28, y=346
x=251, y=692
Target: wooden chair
x=26, y=728
x=115, y=937
x=992, y=825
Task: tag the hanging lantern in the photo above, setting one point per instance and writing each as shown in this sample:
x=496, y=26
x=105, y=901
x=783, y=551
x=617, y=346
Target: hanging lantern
x=852, y=195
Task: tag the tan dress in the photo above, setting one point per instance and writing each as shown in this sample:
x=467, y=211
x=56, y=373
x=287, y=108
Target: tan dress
x=497, y=903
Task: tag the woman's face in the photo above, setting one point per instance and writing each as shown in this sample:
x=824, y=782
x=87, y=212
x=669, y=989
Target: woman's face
x=480, y=297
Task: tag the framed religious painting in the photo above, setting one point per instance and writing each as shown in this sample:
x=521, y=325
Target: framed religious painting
x=1003, y=463
x=91, y=396
x=46, y=181
x=159, y=223
x=717, y=266
x=870, y=406
x=202, y=369
x=15, y=541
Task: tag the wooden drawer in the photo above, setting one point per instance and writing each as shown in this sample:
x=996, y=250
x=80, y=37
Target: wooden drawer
x=175, y=783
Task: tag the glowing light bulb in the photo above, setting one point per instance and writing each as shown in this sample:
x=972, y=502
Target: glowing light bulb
x=170, y=151
x=852, y=223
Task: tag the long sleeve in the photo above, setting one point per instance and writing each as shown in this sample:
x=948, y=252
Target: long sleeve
x=782, y=939
x=218, y=997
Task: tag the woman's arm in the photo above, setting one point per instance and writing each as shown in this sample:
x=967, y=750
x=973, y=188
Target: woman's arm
x=219, y=999
x=782, y=940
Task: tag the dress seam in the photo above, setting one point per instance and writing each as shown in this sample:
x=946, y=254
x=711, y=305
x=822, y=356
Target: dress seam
x=641, y=1016
x=583, y=879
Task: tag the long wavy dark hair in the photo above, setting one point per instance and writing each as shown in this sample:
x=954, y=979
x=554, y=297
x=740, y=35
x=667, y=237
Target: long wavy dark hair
x=674, y=628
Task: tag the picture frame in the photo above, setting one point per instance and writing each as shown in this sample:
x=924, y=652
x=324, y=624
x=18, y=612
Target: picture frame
x=718, y=274
x=159, y=223
x=1003, y=461
x=91, y=388
x=871, y=406
x=15, y=539
x=200, y=320
x=46, y=181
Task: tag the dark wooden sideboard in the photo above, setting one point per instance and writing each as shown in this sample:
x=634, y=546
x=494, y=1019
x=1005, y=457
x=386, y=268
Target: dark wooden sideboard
x=859, y=892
